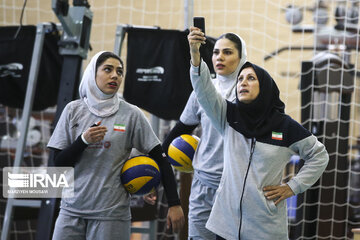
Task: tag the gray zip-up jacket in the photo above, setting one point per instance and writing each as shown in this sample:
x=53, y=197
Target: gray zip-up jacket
x=257, y=163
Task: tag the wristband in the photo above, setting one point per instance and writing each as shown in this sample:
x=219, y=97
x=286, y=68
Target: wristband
x=83, y=138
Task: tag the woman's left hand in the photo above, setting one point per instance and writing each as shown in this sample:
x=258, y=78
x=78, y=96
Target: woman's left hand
x=278, y=193
x=175, y=218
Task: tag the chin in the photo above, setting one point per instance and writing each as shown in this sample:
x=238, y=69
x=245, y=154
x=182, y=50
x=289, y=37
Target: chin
x=244, y=100
x=110, y=92
x=222, y=72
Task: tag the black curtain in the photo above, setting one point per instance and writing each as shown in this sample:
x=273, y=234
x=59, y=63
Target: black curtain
x=157, y=75
x=15, y=62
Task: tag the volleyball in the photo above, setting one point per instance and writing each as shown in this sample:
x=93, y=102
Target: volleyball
x=181, y=152
x=140, y=175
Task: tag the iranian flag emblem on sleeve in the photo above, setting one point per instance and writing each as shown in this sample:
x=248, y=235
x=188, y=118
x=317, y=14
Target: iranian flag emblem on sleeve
x=119, y=127
x=277, y=135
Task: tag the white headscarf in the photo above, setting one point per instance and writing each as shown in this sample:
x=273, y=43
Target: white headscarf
x=99, y=103
x=226, y=83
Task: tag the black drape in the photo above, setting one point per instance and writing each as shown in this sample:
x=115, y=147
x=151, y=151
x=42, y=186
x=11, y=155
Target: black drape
x=15, y=62
x=157, y=75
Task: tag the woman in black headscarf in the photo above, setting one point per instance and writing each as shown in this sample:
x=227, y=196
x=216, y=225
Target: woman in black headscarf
x=259, y=140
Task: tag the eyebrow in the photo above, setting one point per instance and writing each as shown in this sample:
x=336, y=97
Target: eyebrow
x=224, y=49
x=109, y=65
x=250, y=74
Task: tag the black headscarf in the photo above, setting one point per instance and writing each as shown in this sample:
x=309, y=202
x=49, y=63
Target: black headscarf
x=263, y=114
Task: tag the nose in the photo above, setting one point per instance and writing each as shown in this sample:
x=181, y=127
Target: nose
x=114, y=75
x=219, y=56
x=244, y=82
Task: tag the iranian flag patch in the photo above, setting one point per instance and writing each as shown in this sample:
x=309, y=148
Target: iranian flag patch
x=277, y=135
x=119, y=127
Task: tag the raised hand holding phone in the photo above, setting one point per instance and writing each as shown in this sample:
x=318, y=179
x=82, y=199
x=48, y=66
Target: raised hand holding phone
x=196, y=39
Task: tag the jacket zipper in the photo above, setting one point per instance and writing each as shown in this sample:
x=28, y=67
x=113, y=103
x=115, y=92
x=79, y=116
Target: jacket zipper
x=253, y=141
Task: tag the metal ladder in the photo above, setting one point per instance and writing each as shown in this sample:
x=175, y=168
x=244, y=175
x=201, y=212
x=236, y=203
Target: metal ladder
x=41, y=29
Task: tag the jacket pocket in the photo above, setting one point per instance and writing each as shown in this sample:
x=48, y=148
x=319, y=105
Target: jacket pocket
x=271, y=206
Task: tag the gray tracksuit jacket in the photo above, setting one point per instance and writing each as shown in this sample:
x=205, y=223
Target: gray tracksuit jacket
x=250, y=165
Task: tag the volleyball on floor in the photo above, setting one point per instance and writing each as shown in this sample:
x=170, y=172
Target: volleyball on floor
x=140, y=175
x=181, y=152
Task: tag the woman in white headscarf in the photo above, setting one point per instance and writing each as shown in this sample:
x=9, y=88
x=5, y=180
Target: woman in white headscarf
x=229, y=54
x=95, y=135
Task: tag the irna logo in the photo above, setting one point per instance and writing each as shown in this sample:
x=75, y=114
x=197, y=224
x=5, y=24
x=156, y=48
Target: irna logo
x=34, y=180
x=38, y=182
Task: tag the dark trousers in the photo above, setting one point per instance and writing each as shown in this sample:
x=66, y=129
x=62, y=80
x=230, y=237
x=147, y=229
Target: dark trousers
x=219, y=238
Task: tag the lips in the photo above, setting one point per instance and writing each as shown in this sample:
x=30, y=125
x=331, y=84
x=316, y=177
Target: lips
x=220, y=66
x=113, y=84
x=244, y=91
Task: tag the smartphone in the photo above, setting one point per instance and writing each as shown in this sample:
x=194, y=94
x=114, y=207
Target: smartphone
x=199, y=22
x=96, y=124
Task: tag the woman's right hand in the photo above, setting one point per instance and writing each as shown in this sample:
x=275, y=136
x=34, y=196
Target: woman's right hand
x=95, y=134
x=150, y=198
x=195, y=38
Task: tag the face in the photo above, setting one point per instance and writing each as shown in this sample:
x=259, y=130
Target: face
x=248, y=87
x=109, y=76
x=225, y=57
